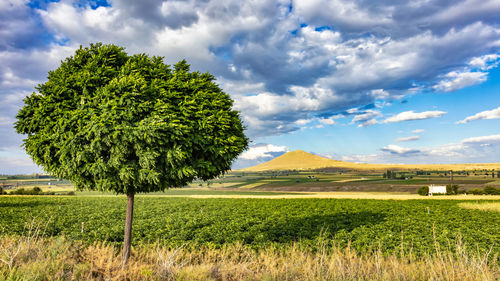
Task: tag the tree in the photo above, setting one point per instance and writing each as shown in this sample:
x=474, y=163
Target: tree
x=108, y=121
x=491, y=190
x=452, y=189
x=424, y=191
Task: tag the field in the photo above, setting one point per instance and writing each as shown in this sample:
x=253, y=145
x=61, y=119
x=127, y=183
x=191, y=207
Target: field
x=412, y=225
x=254, y=226
x=238, y=182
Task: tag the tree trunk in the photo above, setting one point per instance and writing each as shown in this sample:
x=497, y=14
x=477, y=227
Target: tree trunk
x=127, y=240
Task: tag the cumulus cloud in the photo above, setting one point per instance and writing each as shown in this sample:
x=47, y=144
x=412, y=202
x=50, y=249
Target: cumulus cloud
x=410, y=138
x=327, y=121
x=482, y=149
x=303, y=121
x=396, y=149
x=485, y=62
x=260, y=49
x=457, y=80
x=487, y=114
x=257, y=154
x=262, y=151
x=280, y=61
x=365, y=118
x=412, y=115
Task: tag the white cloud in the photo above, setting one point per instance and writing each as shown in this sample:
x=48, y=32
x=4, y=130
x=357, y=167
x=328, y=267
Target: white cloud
x=485, y=62
x=259, y=49
x=327, y=121
x=411, y=138
x=411, y=115
x=303, y=121
x=483, y=140
x=418, y=131
x=487, y=114
x=350, y=54
x=380, y=94
x=367, y=118
x=396, y=149
x=368, y=123
x=261, y=151
x=457, y=80
x=482, y=149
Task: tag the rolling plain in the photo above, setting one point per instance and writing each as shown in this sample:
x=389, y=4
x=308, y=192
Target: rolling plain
x=275, y=225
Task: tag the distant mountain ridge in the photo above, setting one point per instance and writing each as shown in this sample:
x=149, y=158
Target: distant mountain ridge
x=301, y=160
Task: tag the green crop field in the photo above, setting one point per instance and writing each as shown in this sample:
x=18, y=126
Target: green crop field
x=413, y=225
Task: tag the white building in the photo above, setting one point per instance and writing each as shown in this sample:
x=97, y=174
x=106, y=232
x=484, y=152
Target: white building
x=437, y=189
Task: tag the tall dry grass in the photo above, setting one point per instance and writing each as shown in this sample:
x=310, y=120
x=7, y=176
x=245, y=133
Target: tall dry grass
x=486, y=206
x=32, y=257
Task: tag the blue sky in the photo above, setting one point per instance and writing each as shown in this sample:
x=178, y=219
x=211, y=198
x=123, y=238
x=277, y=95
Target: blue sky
x=363, y=81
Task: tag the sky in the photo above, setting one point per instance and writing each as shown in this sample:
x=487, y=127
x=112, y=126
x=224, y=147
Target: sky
x=412, y=81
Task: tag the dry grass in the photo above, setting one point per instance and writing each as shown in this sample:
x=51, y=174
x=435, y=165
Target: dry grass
x=489, y=206
x=34, y=258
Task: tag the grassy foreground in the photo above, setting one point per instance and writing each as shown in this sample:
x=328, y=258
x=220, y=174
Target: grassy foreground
x=33, y=258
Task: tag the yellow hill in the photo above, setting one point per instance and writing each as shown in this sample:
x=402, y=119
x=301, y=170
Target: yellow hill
x=301, y=160
x=295, y=160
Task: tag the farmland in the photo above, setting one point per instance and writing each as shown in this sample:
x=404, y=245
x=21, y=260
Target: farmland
x=239, y=182
x=294, y=220
x=413, y=225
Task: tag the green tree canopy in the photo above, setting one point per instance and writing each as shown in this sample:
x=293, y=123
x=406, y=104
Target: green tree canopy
x=113, y=122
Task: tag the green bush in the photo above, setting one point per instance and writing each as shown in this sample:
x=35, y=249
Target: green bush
x=491, y=190
x=451, y=189
x=34, y=191
x=19, y=191
x=424, y=191
x=476, y=191
x=1, y=190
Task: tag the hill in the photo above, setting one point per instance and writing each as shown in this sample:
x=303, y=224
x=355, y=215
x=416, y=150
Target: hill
x=295, y=160
x=301, y=160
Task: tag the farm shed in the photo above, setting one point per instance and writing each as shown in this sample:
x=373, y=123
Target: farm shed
x=437, y=189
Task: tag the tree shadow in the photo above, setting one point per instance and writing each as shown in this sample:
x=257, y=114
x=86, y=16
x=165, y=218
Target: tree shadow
x=311, y=227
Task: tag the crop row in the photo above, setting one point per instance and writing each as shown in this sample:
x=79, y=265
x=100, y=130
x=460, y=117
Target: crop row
x=413, y=225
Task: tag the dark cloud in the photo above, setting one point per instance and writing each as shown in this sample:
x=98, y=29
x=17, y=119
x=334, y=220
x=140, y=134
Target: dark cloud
x=159, y=13
x=280, y=62
x=20, y=28
x=397, y=19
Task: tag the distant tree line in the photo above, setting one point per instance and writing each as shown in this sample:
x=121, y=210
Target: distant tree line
x=395, y=175
x=455, y=189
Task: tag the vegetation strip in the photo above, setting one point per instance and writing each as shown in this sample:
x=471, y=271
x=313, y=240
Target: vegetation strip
x=35, y=258
x=412, y=225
